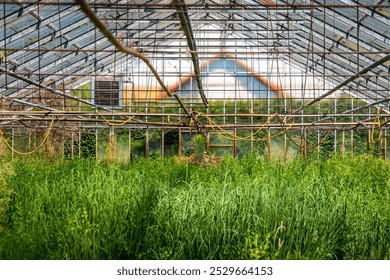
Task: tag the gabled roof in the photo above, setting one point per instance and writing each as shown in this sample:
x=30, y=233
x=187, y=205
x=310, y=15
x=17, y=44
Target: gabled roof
x=223, y=55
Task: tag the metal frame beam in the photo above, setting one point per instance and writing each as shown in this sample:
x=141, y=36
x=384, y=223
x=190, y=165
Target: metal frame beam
x=357, y=109
x=28, y=104
x=345, y=82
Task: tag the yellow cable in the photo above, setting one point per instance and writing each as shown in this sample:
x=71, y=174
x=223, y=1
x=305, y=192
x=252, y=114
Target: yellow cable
x=33, y=151
x=248, y=138
x=257, y=139
x=169, y=121
x=235, y=136
x=114, y=123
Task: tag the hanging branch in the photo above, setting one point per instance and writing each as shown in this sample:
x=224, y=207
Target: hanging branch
x=182, y=12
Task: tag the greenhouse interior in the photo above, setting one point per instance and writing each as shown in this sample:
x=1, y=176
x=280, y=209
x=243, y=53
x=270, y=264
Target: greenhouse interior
x=156, y=101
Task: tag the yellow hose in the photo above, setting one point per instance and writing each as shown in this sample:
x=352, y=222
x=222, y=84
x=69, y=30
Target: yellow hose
x=114, y=123
x=33, y=151
x=248, y=138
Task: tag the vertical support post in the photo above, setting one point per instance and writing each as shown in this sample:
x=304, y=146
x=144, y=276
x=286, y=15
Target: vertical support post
x=318, y=131
x=147, y=143
x=130, y=103
x=285, y=147
x=162, y=143
x=35, y=140
x=269, y=144
x=29, y=140
x=180, y=143
x=235, y=120
x=303, y=143
x=2, y=146
x=208, y=143
x=129, y=146
x=71, y=146
x=2, y=152
x=96, y=145
x=368, y=141
x=251, y=142
x=96, y=141
x=380, y=142
x=235, y=144
x=385, y=144
x=62, y=146
x=343, y=143
x=112, y=144
x=79, y=144
x=251, y=131
x=12, y=142
x=335, y=120
x=351, y=148
x=318, y=144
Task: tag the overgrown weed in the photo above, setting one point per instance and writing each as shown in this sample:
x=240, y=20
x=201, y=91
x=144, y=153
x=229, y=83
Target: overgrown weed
x=163, y=209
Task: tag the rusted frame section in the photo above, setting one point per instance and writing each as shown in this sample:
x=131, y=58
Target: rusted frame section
x=93, y=115
x=96, y=124
x=185, y=23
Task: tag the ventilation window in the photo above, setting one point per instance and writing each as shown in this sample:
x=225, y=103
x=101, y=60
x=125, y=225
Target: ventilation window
x=107, y=93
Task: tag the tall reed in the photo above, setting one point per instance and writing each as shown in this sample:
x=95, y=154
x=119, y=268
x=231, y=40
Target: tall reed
x=162, y=209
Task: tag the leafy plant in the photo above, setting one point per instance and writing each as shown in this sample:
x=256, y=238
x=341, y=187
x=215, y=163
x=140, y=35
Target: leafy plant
x=259, y=144
x=87, y=146
x=199, y=147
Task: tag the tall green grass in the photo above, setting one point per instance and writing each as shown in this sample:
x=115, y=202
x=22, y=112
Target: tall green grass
x=161, y=209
